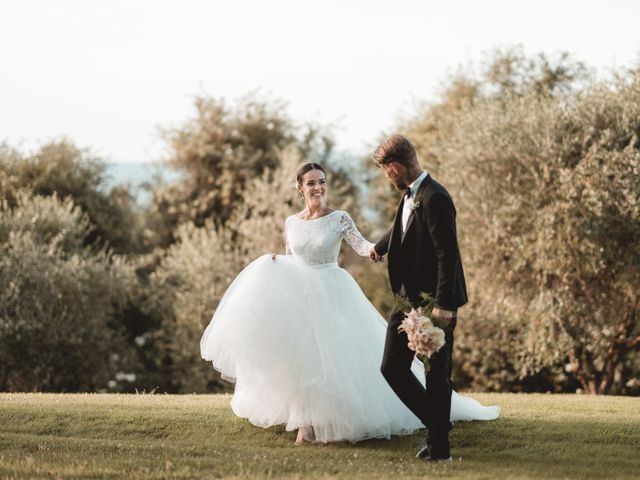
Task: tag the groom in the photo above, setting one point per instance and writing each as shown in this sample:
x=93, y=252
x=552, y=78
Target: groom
x=423, y=256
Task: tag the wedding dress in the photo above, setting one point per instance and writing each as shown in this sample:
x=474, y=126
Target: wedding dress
x=303, y=344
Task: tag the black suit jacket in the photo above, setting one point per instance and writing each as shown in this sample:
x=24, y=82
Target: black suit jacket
x=426, y=258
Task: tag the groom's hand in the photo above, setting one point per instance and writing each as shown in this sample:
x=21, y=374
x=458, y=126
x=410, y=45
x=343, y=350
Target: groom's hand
x=375, y=256
x=440, y=313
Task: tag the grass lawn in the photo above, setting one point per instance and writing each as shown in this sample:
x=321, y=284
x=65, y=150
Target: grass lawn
x=197, y=436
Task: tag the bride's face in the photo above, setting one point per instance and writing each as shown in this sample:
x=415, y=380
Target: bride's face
x=314, y=188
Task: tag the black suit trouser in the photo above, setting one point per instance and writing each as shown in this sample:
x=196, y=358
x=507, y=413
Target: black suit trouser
x=432, y=405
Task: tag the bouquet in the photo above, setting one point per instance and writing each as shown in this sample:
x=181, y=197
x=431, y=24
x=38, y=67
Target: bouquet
x=424, y=337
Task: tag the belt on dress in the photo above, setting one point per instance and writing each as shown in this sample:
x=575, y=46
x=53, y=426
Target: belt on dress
x=320, y=266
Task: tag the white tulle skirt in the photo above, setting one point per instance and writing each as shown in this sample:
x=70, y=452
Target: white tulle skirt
x=304, y=345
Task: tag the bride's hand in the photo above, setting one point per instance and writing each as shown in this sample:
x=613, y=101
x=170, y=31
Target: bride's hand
x=375, y=256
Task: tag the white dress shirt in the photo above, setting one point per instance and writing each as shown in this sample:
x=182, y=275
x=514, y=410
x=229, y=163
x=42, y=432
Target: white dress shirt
x=410, y=202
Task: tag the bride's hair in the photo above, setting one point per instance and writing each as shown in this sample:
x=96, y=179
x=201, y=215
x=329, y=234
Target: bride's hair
x=307, y=167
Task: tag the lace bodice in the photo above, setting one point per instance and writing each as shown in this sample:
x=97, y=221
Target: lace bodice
x=318, y=241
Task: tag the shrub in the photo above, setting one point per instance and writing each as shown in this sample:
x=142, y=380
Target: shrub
x=549, y=208
x=61, y=168
x=59, y=300
x=182, y=293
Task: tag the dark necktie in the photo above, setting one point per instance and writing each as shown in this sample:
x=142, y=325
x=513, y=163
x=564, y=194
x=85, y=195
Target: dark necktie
x=407, y=192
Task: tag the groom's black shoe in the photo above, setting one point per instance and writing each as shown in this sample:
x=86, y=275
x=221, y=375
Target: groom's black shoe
x=428, y=453
x=439, y=453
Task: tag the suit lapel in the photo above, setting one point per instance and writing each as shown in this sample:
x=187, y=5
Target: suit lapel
x=412, y=215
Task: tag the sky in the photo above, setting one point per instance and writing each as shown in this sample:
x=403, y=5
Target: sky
x=110, y=74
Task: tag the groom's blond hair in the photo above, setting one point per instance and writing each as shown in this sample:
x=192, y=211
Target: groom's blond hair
x=395, y=148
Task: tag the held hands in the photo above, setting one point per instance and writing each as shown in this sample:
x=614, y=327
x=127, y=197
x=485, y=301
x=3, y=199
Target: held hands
x=375, y=256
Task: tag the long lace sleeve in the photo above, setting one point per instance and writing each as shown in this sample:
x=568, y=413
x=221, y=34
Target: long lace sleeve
x=349, y=232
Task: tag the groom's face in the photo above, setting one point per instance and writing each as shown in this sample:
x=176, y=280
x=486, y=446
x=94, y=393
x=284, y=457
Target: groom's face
x=397, y=175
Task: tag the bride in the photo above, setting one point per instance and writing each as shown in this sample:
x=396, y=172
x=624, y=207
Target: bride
x=302, y=342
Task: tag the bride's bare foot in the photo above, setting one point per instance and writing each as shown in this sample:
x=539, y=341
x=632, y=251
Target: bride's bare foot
x=305, y=434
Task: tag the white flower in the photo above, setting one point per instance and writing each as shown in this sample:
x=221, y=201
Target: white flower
x=424, y=338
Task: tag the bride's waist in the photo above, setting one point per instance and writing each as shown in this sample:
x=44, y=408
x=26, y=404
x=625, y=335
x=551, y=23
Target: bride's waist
x=313, y=265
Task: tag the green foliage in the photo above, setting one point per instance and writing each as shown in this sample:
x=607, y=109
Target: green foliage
x=63, y=169
x=182, y=294
x=373, y=279
x=510, y=72
x=59, y=300
x=502, y=75
x=549, y=208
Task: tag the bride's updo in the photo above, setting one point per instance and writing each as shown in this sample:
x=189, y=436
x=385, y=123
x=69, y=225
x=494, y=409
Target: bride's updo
x=307, y=167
